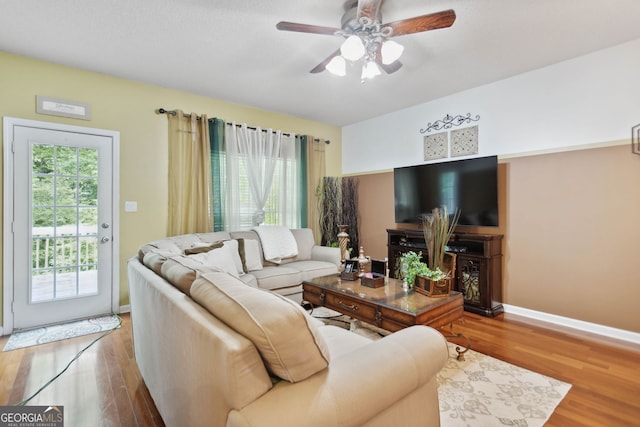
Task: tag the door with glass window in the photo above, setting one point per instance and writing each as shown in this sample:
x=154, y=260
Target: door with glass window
x=62, y=231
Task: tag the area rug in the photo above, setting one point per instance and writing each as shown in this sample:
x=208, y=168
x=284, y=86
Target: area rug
x=53, y=333
x=481, y=390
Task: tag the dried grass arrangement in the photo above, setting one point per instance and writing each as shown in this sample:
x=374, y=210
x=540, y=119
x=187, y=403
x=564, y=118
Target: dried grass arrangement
x=438, y=228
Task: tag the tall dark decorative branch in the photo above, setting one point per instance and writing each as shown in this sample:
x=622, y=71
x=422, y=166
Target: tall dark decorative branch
x=330, y=209
x=350, y=211
x=339, y=205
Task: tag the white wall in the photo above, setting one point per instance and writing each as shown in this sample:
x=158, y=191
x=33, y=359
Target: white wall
x=586, y=100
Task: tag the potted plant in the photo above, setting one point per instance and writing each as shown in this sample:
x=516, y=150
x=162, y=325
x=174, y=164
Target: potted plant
x=438, y=228
x=412, y=267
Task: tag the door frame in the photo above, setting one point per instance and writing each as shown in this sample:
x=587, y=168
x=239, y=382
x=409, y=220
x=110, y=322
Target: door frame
x=8, y=209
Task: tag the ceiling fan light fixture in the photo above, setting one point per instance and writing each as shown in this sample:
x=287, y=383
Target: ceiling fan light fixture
x=352, y=48
x=370, y=70
x=337, y=66
x=391, y=51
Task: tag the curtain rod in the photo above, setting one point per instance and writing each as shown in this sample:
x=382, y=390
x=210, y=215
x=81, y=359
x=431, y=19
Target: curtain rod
x=173, y=113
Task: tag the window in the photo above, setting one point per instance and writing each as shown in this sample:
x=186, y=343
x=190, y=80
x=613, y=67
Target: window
x=277, y=195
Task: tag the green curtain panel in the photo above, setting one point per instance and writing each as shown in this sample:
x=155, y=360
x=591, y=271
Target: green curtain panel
x=216, y=141
x=301, y=156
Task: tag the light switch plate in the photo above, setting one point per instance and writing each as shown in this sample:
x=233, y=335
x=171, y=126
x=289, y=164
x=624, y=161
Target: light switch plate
x=131, y=206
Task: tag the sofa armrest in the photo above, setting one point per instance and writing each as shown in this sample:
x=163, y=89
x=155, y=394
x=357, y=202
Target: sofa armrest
x=356, y=387
x=326, y=253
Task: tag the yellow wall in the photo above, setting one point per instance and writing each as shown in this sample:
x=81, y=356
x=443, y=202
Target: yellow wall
x=129, y=108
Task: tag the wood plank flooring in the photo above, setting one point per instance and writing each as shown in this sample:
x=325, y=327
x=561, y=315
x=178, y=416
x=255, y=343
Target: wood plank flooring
x=104, y=388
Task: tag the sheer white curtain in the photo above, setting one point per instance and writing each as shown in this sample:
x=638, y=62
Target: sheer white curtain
x=262, y=178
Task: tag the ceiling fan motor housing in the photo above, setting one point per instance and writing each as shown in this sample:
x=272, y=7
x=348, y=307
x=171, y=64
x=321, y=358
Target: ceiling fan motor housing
x=349, y=22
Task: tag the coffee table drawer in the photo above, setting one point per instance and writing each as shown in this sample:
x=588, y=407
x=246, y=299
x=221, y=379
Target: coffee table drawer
x=351, y=306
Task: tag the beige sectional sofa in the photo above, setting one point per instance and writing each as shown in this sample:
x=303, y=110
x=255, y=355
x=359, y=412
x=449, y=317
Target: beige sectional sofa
x=218, y=350
x=284, y=277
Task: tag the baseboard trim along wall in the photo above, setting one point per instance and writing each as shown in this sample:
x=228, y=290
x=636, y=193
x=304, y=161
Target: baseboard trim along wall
x=125, y=308
x=594, y=328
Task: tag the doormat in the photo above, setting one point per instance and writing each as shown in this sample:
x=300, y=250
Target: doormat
x=53, y=333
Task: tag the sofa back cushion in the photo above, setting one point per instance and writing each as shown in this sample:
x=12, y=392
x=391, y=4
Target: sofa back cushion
x=304, y=239
x=284, y=334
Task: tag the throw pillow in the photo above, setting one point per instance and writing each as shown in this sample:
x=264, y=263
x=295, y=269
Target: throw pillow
x=252, y=258
x=198, y=248
x=233, y=246
x=284, y=334
x=220, y=259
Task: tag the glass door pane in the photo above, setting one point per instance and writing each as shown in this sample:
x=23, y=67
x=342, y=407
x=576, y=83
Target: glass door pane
x=64, y=223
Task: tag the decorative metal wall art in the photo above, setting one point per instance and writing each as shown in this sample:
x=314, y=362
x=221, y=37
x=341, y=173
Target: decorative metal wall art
x=450, y=121
x=436, y=146
x=464, y=141
x=635, y=139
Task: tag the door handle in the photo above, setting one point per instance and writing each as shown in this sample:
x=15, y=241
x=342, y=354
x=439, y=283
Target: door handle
x=105, y=239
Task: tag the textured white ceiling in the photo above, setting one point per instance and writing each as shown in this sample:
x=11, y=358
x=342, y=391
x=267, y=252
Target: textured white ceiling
x=231, y=50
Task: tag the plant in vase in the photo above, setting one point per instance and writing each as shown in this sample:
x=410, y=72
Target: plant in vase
x=438, y=228
x=412, y=266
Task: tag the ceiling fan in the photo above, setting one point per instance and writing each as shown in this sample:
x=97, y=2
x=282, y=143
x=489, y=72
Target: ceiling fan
x=367, y=37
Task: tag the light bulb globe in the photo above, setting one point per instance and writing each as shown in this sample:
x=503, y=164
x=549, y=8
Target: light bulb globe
x=352, y=48
x=391, y=51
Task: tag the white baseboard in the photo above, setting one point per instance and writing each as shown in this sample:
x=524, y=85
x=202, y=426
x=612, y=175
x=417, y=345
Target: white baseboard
x=125, y=308
x=593, y=328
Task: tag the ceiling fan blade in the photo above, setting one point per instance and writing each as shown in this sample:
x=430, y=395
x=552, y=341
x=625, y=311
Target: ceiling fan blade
x=369, y=8
x=418, y=24
x=321, y=66
x=305, y=28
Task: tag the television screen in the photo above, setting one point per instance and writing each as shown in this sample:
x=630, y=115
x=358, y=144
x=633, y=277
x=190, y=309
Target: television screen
x=470, y=185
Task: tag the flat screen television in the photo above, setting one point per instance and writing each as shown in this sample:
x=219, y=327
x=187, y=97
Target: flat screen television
x=470, y=185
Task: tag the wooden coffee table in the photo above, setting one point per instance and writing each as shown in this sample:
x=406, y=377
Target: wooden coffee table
x=388, y=307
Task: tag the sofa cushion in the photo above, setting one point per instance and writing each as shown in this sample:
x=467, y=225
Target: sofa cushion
x=154, y=261
x=284, y=334
x=178, y=274
x=304, y=239
x=275, y=277
x=182, y=270
x=310, y=269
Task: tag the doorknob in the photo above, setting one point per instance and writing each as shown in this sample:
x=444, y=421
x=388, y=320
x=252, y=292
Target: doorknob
x=105, y=239
x=105, y=225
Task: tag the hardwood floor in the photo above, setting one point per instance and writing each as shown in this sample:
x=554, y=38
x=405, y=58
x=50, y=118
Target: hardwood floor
x=104, y=388
x=605, y=374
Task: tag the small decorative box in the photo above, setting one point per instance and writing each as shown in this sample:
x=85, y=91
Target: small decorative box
x=375, y=279
x=372, y=280
x=350, y=271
